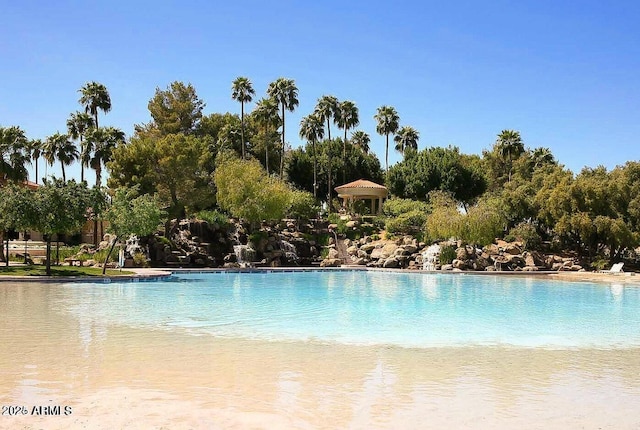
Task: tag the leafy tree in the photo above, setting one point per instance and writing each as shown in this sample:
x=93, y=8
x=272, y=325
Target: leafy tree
x=13, y=153
x=77, y=126
x=130, y=214
x=361, y=140
x=177, y=168
x=242, y=91
x=94, y=96
x=61, y=207
x=510, y=146
x=59, y=147
x=247, y=192
x=435, y=168
x=99, y=146
x=406, y=138
x=302, y=205
x=312, y=129
x=266, y=115
x=285, y=92
x=176, y=109
x=16, y=211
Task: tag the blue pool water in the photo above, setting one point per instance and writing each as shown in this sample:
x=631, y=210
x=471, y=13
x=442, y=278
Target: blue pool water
x=400, y=309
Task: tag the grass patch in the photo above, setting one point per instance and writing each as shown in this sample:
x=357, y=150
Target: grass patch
x=58, y=271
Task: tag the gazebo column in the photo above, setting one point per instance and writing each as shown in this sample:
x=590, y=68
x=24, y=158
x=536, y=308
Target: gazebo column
x=373, y=206
x=379, y=205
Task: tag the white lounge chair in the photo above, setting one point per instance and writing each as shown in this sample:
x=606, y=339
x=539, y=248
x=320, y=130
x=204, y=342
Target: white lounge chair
x=616, y=268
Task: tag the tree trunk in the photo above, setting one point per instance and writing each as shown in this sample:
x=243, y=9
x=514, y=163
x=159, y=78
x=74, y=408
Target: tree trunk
x=386, y=155
x=242, y=129
x=6, y=241
x=282, y=153
x=36, y=170
x=344, y=157
x=64, y=177
x=329, y=177
x=113, y=244
x=315, y=171
x=57, y=249
x=48, y=255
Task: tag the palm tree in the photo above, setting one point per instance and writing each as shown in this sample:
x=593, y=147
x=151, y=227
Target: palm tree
x=510, y=145
x=406, y=138
x=94, y=97
x=266, y=113
x=312, y=129
x=361, y=140
x=387, y=123
x=285, y=92
x=101, y=142
x=35, y=149
x=326, y=109
x=242, y=91
x=541, y=157
x=77, y=125
x=346, y=118
x=59, y=147
x=13, y=153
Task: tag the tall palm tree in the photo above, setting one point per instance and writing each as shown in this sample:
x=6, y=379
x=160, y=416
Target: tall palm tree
x=77, y=125
x=361, y=140
x=510, y=146
x=101, y=142
x=406, y=138
x=266, y=113
x=59, y=147
x=326, y=110
x=312, y=129
x=242, y=91
x=285, y=92
x=541, y=157
x=35, y=148
x=94, y=97
x=387, y=123
x=13, y=153
x=346, y=117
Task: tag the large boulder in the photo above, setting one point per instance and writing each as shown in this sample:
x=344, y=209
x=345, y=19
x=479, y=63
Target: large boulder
x=391, y=262
x=367, y=247
x=331, y=262
x=352, y=250
x=333, y=253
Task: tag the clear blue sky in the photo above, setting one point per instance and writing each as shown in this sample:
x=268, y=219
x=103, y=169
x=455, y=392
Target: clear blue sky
x=566, y=74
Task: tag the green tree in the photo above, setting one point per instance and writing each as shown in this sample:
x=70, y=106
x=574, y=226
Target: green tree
x=361, y=140
x=312, y=129
x=406, y=138
x=94, y=96
x=510, y=146
x=387, y=120
x=242, y=91
x=247, y=192
x=266, y=115
x=59, y=147
x=436, y=168
x=285, y=92
x=13, y=153
x=326, y=110
x=100, y=143
x=176, y=109
x=16, y=212
x=77, y=126
x=131, y=214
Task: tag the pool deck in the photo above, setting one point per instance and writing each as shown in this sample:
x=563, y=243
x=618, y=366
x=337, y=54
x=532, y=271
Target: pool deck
x=160, y=273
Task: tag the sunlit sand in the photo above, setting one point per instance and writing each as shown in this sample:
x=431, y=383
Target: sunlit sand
x=119, y=377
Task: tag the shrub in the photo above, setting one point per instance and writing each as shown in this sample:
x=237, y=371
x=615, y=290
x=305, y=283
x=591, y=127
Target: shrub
x=407, y=223
x=213, y=217
x=395, y=207
x=140, y=260
x=302, y=205
x=528, y=234
x=447, y=254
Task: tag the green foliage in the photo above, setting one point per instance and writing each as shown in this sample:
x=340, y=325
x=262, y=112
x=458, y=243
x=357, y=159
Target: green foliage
x=176, y=109
x=246, y=192
x=356, y=165
x=140, y=260
x=436, y=169
x=397, y=206
x=527, y=233
x=213, y=217
x=177, y=168
x=447, y=254
x=482, y=224
x=302, y=205
x=407, y=223
x=130, y=214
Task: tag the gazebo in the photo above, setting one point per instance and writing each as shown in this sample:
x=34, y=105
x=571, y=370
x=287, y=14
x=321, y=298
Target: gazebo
x=363, y=190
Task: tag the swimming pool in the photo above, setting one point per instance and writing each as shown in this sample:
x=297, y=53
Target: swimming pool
x=411, y=310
